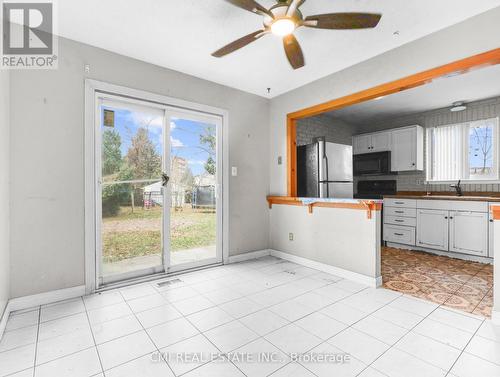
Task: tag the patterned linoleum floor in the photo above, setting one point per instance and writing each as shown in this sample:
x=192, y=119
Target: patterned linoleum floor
x=459, y=284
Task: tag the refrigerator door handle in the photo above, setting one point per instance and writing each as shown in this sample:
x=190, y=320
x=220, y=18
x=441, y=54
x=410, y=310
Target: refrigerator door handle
x=326, y=172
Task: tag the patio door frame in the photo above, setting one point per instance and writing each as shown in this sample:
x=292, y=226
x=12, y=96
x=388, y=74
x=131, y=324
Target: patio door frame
x=95, y=89
x=218, y=122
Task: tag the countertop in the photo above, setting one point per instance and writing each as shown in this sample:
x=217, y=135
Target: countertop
x=476, y=197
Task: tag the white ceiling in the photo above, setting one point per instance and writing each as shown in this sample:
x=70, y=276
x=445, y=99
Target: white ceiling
x=181, y=35
x=473, y=86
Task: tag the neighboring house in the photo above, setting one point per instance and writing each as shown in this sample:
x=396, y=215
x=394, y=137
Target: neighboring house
x=204, y=191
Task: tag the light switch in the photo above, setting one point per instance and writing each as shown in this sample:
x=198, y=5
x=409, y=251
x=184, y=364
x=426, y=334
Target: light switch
x=280, y=160
x=234, y=171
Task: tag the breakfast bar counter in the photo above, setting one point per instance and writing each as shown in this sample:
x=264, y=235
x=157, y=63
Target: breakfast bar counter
x=339, y=236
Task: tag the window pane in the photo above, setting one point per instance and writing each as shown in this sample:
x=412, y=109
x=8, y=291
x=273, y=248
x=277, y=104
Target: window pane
x=481, y=150
x=447, y=152
x=132, y=144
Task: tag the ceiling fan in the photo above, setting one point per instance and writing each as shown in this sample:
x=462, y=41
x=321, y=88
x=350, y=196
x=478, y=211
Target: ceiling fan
x=284, y=17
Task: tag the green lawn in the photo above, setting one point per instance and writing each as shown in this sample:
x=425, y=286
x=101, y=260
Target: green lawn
x=133, y=234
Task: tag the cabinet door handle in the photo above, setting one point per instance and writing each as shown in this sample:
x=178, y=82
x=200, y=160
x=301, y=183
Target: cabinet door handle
x=446, y=217
x=399, y=211
x=451, y=218
x=398, y=234
x=399, y=221
x=399, y=202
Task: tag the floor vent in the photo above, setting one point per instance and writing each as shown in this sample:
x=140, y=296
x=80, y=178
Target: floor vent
x=169, y=282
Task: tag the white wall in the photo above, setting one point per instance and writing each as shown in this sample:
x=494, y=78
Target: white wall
x=4, y=190
x=473, y=36
x=47, y=171
x=338, y=237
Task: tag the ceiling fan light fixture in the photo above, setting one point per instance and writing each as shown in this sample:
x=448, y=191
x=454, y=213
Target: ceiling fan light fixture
x=283, y=27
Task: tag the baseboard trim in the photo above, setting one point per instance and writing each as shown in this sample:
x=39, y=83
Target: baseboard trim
x=248, y=256
x=346, y=274
x=26, y=302
x=495, y=317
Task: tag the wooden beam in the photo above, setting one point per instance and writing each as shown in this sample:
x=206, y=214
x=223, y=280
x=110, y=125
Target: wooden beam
x=458, y=67
x=291, y=137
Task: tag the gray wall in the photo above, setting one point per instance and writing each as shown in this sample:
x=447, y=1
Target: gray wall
x=334, y=130
x=47, y=170
x=485, y=109
x=4, y=189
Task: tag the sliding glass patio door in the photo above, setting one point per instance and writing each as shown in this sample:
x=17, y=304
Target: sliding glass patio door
x=157, y=191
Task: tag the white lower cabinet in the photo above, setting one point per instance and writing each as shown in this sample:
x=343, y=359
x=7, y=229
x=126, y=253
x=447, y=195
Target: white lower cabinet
x=456, y=226
x=432, y=229
x=469, y=232
x=399, y=234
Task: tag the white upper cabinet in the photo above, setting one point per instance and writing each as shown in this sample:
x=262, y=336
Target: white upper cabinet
x=376, y=142
x=407, y=152
x=406, y=145
x=361, y=144
x=381, y=141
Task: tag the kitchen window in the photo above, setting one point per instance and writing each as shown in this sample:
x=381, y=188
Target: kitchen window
x=466, y=151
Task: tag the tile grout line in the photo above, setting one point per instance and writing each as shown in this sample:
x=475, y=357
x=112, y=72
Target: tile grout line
x=149, y=337
x=37, y=335
x=208, y=339
x=393, y=346
x=463, y=350
x=93, y=337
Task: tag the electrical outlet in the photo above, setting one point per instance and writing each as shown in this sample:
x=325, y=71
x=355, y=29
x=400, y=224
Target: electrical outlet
x=234, y=171
x=290, y=236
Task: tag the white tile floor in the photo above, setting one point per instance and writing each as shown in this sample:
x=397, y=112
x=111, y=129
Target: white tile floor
x=262, y=306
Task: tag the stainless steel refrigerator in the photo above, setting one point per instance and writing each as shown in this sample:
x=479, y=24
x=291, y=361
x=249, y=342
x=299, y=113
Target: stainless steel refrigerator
x=324, y=170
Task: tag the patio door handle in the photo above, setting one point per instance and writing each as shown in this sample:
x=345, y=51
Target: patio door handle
x=164, y=179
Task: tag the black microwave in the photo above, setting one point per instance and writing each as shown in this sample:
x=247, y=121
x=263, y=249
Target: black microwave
x=378, y=163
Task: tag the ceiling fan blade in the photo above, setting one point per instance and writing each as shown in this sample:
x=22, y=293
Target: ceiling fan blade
x=293, y=51
x=239, y=43
x=251, y=6
x=343, y=21
x=294, y=5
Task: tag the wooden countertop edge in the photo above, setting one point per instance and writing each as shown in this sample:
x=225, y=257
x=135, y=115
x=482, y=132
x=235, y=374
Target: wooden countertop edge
x=465, y=198
x=365, y=205
x=495, y=211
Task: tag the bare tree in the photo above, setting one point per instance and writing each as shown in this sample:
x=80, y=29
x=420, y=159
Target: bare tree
x=485, y=143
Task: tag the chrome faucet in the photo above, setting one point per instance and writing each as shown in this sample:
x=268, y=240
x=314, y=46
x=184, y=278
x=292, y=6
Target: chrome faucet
x=457, y=188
